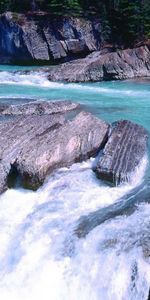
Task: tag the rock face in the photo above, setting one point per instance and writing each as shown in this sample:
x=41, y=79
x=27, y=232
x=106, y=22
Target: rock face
x=123, y=64
x=36, y=145
x=123, y=152
x=38, y=108
x=43, y=38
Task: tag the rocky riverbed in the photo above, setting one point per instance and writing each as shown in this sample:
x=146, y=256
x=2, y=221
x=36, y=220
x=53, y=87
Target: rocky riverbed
x=39, y=139
x=57, y=242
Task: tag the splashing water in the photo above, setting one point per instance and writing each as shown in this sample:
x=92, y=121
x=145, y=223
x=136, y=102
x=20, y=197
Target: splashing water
x=41, y=254
x=37, y=78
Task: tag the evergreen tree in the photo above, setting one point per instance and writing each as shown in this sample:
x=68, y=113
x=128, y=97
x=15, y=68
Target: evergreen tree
x=124, y=21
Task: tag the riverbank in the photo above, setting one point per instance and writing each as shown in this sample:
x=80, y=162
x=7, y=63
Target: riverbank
x=38, y=39
x=123, y=64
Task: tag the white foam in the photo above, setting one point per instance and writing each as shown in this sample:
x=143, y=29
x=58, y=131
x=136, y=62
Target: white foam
x=111, y=258
x=39, y=79
x=41, y=258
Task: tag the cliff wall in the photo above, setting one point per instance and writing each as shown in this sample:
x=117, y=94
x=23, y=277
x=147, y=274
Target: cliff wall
x=40, y=37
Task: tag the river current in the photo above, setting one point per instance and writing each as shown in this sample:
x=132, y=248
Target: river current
x=77, y=238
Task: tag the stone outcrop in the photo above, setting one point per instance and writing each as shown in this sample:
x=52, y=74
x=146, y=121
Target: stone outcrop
x=123, y=152
x=123, y=64
x=35, y=145
x=35, y=38
x=41, y=137
x=38, y=108
x=41, y=38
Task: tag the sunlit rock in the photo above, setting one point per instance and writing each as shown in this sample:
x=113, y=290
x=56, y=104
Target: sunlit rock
x=123, y=64
x=36, y=145
x=38, y=108
x=123, y=152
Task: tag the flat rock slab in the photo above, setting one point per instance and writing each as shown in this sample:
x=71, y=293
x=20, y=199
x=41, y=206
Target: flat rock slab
x=123, y=152
x=38, y=108
x=36, y=145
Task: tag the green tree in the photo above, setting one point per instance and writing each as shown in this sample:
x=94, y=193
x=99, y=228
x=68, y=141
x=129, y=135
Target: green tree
x=124, y=21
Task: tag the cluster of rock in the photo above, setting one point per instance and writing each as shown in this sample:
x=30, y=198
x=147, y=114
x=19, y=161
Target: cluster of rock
x=35, y=145
x=123, y=64
x=45, y=38
x=38, y=139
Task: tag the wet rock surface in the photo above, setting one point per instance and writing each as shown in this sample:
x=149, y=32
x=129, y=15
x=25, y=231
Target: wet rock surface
x=123, y=64
x=123, y=152
x=38, y=108
x=35, y=145
x=40, y=138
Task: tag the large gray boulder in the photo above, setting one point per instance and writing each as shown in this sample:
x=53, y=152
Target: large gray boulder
x=123, y=152
x=37, y=145
x=123, y=64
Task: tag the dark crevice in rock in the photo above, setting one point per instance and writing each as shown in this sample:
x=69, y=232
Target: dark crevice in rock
x=45, y=39
x=31, y=182
x=107, y=75
x=14, y=178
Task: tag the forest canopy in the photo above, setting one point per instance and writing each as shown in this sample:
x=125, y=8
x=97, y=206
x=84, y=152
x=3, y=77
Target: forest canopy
x=126, y=18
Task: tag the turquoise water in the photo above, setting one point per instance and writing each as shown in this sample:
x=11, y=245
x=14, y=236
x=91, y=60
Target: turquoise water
x=41, y=257
x=109, y=100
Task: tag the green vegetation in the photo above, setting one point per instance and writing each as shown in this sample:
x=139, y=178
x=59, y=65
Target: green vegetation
x=127, y=20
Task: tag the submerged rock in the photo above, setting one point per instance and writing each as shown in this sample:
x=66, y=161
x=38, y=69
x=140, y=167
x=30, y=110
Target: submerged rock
x=38, y=108
x=123, y=64
x=123, y=152
x=36, y=145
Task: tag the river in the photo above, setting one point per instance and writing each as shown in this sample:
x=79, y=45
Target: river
x=77, y=238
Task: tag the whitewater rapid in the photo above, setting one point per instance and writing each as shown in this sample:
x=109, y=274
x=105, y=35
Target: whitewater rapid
x=42, y=257
x=77, y=238
x=39, y=78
